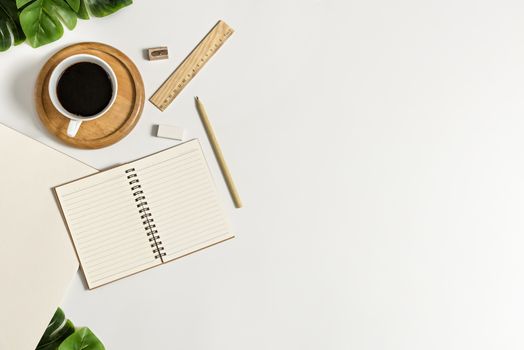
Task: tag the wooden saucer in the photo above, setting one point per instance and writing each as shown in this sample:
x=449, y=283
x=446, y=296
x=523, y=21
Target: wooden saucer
x=116, y=123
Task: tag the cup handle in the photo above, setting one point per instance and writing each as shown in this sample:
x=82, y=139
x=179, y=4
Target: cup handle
x=73, y=127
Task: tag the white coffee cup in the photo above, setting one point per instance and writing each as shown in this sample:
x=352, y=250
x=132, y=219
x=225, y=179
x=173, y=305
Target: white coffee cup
x=56, y=74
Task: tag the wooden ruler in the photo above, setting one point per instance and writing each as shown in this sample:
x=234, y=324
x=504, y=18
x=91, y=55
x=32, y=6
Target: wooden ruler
x=176, y=82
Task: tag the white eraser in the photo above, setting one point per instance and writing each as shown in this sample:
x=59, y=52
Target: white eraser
x=171, y=132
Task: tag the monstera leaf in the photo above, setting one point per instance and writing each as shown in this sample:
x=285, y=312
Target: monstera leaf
x=9, y=24
x=82, y=10
x=56, y=332
x=42, y=20
x=60, y=334
x=101, y=8
x=82, y=339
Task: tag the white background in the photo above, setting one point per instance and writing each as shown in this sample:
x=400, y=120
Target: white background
x=377, y=146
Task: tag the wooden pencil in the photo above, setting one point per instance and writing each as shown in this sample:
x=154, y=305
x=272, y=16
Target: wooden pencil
x=218, y=154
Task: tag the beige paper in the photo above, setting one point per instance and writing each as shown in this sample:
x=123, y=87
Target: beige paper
x=37, y=259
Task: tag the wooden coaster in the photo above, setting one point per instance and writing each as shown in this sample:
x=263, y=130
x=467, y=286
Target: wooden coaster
x=116, y=123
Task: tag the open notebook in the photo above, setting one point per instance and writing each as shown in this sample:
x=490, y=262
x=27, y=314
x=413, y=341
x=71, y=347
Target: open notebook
x=144, y=213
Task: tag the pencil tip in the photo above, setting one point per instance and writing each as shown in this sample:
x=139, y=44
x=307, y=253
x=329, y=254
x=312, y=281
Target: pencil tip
x=196, y=98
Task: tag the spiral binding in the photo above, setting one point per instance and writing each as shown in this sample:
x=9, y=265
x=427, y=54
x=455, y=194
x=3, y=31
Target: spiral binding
x=145, y=215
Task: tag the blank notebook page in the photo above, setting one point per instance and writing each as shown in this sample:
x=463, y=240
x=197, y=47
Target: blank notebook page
x=184, y=207
x=139, y=215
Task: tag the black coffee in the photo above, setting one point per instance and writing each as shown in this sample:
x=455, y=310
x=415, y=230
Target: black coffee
x=84, y=89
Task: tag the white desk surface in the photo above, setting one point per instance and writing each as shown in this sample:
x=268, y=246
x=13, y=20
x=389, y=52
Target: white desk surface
x=377, y=146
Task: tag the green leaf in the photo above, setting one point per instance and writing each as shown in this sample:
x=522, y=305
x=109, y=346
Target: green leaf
x=42, y=20
x=56, y=322
x=82, y=11
x=9, y=25
x=21, y=3
x=75, y=4
x=102, y=8
x=57, y=338
x=58, y=329
x=82, y=339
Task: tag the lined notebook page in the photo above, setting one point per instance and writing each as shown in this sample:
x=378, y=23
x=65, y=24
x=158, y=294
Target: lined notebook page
x=109, y=237
x=178, y=195
x=183, y=200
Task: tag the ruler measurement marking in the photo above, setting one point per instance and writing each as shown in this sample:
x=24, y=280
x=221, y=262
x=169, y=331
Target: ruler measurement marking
x=191, y=65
